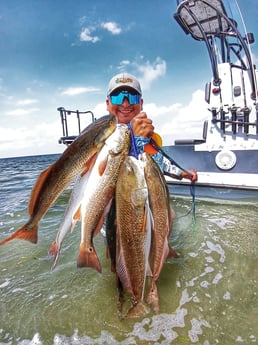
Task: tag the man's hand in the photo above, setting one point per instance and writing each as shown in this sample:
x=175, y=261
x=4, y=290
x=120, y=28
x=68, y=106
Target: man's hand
x=190, y=174
x=142, y=126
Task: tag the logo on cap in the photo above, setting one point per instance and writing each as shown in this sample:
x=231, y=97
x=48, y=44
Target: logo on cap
x=124, y=80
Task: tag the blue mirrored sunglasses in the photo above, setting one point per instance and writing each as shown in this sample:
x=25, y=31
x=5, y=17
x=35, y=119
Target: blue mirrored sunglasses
x=119, y=98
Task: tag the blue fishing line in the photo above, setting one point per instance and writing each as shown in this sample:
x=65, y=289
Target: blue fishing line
x=192, y=209
x=192, y=188
x=133, y=150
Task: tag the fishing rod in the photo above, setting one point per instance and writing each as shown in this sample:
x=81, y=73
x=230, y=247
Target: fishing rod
x=172, y=161
x=157, y=148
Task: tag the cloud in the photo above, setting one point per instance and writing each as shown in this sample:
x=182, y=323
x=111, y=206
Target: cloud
x=179, y=121
x=151, y=72
x=73, y=91
x=41, y=139
x=112, y=27
x=21, y=112
x=100, y=109
x=147, y=71
x=86, y=35
x=27, y=101
x=82, y=20
x=174, y=121
x=124, y=63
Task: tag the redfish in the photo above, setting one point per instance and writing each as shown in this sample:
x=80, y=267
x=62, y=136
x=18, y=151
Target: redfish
x=133, y=232
x=74, y=161
x=99, y=193
x=162, y=224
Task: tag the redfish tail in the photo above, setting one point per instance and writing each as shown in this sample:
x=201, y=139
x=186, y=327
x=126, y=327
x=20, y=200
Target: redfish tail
x=88, y=258
x=137, y=310
x=172, y=253
x=153, y=297
x=54, y=251
x=24, y=233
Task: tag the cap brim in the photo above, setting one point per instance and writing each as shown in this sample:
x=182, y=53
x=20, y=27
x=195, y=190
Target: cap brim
x=123, y=87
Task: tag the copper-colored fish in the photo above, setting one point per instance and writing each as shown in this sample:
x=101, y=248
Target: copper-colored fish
x=162, y=224
x=133, y=232
x=100, y=191
x=75, y=160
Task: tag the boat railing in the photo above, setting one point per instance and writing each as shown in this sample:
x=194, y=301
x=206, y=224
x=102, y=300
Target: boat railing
x=67, y=139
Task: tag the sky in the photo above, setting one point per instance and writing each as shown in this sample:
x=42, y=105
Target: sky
x=62, y=53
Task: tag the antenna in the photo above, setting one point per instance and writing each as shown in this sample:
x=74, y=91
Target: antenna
x=247, y=35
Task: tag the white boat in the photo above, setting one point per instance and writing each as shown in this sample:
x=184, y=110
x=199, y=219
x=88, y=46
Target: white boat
x=226, y=157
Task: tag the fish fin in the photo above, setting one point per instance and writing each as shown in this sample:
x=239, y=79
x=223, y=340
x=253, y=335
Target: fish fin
x=148, y=221
x=172, y=215
x=153, y=297
x=37, y=188
x=54, y=250
x=77, y=215
x=167, y=253
x=113, y=267
x=76, y=218
x=172, y=253
x=149, y=271
x=24, y=233
x=88, y=258
x=123, y=274
x=102, y=166
x=89, y=164
x=137, y=310
x=121, y=267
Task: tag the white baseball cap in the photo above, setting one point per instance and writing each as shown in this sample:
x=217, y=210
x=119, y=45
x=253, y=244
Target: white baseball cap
x=124, y=79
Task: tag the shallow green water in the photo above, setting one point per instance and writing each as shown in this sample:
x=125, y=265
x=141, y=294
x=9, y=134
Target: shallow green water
x=208, y=296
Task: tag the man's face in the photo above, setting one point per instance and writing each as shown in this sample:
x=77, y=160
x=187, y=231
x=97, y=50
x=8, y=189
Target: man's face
x=124, y=112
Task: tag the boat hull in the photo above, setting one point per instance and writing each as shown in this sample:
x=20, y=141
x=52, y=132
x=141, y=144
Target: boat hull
x=228, y=182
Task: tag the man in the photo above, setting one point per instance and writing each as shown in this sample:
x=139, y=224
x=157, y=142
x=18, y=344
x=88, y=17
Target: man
x=124, y=100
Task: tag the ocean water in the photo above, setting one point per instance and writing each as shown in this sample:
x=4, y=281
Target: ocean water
x=208, y=295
